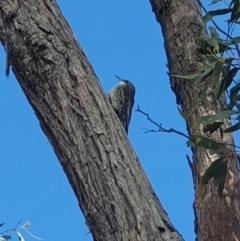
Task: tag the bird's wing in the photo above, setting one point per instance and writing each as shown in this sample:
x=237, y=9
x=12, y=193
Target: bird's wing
x=119, y=104
x=128, y=105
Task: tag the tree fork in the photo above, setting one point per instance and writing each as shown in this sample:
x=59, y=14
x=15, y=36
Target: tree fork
x=181, y=23
x=112, y=189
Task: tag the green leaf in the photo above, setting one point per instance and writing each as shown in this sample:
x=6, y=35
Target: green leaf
x=226, y=82
x=212, y=58
x=214, y=38
x=220, y=182
x=222, y=47
x=217, y=70
x=235, y=88
x=205, y=142
x=206, y=18
x=213, y=13
x=211, y=170
x=204, y=45
x=212, y=127
x=218, y=171
x=221, y=132
x=207, y=72
x=233, y=128
x=201, y=42
x=215, y=1
x=5, y=237
x=230, y=75
x=191, y=76
x=233, y=96
x=235, y=40
x=26, y=225
x=212, y=118
x=227, y=66
x=220, y=11
x=20, y=237
x=220, y=89
x=235, y=10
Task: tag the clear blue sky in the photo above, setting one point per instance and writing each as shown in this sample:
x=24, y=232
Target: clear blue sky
x=118, y=37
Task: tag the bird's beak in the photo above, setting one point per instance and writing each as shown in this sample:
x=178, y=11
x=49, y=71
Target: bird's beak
x=118, y=78
x=121, y=80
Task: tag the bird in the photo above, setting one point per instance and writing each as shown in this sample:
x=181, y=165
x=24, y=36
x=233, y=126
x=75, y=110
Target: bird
x=122, y=100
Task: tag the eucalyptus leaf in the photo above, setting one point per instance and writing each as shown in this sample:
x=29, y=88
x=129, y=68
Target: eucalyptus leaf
x=220, y=11
x=215, y=1
x=5, y=237
x=226, y=82
x=208, y=119
x=235, y=40
x=233, y=128
x=217, y=70
x=221, y=132
x=204, y=45
x=230, y=75
x=211, y=170
x=201, y=42
x=220, y=176
x=207, y=72
x=235, y=10
x=233, y=96
x=190, y=77
x=205, y=142
x=207, y=17
x=214, y=38
x=212, y=127
x=218, y=171
x=222, y=47
x=211, y=58
x=20, y=237
x=222, y=86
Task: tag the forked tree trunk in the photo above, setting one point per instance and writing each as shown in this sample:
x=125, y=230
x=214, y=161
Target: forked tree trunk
x=113, y=191
x=181, y=23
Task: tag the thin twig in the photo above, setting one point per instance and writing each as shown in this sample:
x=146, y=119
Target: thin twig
x=12, y=229
x=160, y=128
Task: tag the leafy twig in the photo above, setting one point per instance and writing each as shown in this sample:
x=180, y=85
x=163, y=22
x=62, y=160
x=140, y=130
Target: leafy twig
x=218, y=28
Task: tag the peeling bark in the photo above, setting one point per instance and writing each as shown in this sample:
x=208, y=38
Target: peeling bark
x=112, y=189
x=181, y=23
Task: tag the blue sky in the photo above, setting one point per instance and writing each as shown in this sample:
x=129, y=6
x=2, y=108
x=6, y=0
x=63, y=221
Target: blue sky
x=118, y=37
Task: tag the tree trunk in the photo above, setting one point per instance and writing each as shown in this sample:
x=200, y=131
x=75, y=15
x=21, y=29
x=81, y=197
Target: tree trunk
x=181, y=23
x=113, y=191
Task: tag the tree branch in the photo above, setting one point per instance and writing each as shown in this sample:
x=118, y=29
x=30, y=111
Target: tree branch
x=160, y=128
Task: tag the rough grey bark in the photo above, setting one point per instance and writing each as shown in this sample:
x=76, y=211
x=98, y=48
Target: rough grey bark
x=113, y=191
x=181, y=23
